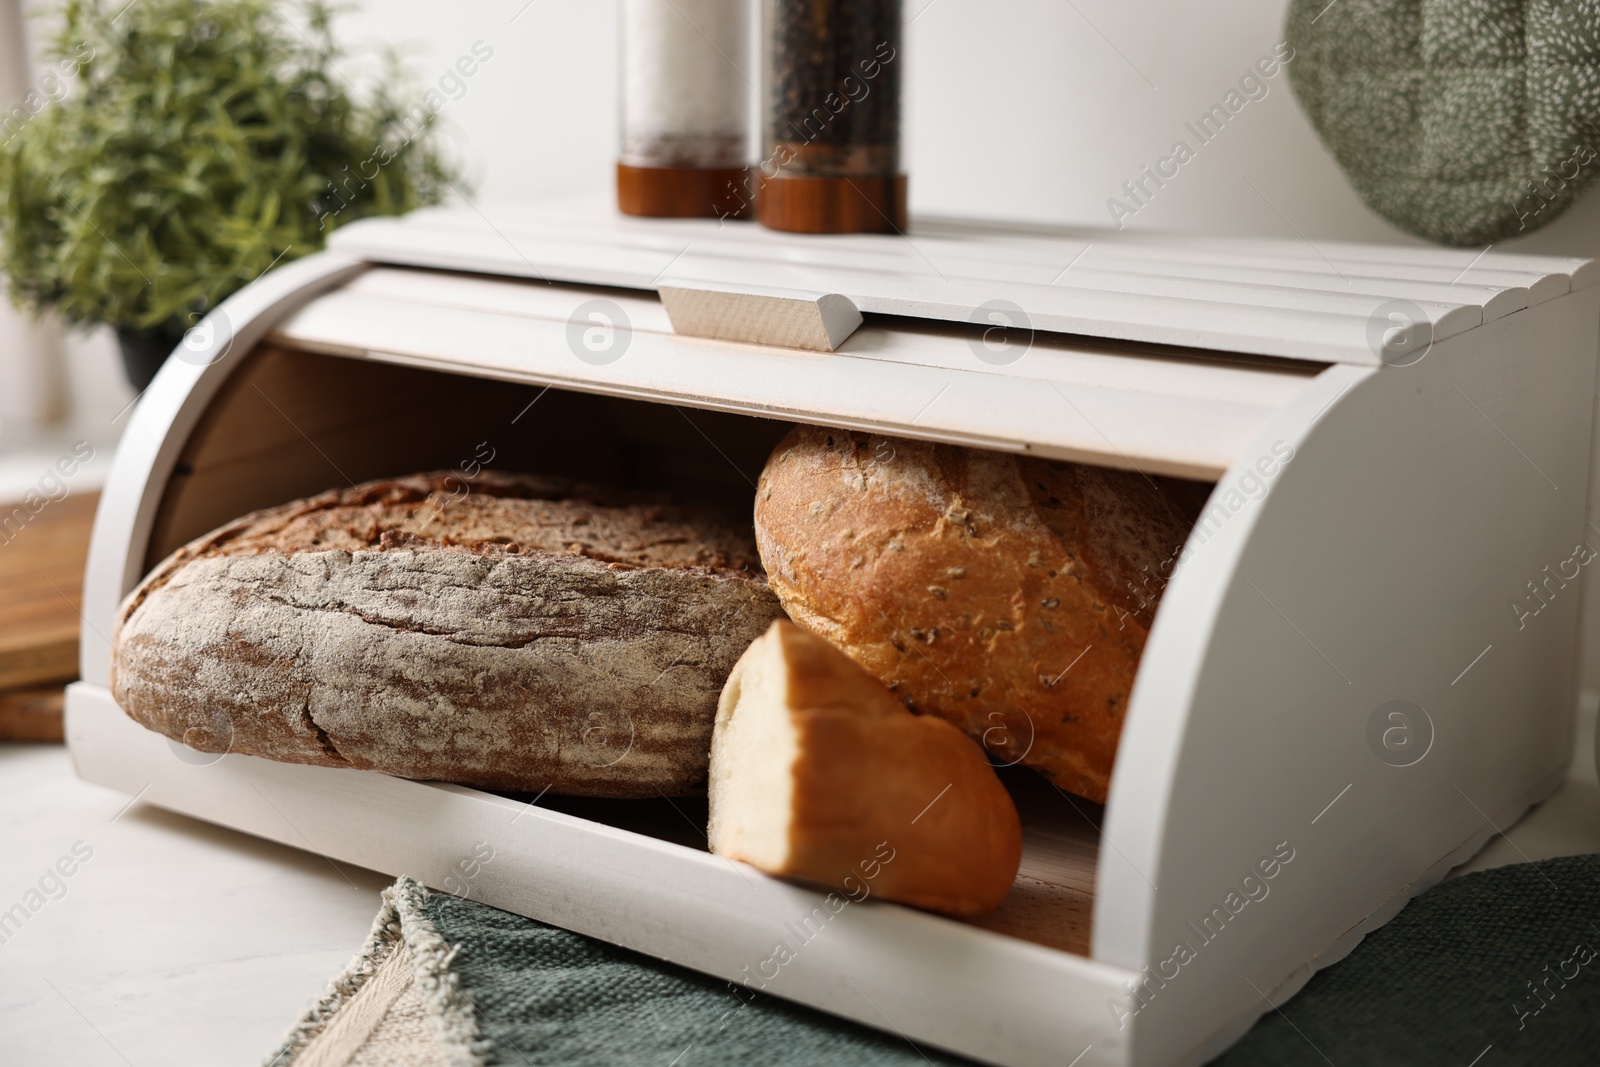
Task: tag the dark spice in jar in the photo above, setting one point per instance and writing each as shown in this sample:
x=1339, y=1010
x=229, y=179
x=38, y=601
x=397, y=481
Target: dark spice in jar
x=833, y=87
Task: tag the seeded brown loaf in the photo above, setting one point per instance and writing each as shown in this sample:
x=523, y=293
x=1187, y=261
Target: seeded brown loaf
x=531, y=633
x=1010, y=595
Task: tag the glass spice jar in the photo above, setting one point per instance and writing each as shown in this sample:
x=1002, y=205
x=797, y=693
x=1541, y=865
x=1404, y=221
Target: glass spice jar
x=831, y=117
x=685, y=106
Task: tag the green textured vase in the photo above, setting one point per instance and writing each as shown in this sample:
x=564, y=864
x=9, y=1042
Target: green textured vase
x=1462, y=121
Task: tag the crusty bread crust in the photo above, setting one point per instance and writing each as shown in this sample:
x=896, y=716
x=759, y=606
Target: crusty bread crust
x=531, y=633
x=882, y=803
x=1009, y=595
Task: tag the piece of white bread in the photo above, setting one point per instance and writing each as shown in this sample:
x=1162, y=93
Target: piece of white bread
x=818, y=773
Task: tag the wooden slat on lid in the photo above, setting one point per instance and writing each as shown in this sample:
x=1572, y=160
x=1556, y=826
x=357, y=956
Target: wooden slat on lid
x=1392, y=279
x=1308, y=283
x=1582, y=272
x=1290, y=298
x=1087, y=264
x=1498, y=295
x=1336, y=334
x=939, y=241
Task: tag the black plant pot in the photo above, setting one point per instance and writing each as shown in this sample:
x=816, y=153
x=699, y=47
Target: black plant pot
x=142, y=356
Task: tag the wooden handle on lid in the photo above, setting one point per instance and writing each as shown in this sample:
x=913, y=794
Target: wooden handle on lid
x=784, y=318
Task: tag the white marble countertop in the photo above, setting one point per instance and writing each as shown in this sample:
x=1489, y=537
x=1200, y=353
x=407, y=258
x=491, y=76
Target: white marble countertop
x=175, y=942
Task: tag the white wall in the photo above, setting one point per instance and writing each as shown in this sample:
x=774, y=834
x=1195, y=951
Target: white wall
x=55, y=387
x=1015, y=108
x=31, y=389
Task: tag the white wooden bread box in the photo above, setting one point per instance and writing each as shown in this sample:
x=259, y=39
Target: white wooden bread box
x=1382, y=530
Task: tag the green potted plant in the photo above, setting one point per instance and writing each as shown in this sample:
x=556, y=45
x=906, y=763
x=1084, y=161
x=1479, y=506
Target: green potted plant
x=190, y=147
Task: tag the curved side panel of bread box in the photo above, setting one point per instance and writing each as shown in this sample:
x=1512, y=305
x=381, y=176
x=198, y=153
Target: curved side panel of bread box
x=1363, y=666
x=160, y=424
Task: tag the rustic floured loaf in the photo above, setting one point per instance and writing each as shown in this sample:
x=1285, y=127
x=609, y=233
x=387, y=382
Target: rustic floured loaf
x=1010, y=595
x=817, y=772
x=529, y=634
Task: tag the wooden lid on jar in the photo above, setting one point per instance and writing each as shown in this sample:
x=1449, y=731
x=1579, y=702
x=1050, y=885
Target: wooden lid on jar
x=685, y=192
x=833, y=205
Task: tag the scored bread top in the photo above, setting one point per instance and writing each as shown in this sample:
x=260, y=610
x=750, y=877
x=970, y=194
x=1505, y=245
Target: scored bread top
x=492, y=514
x=496, y=514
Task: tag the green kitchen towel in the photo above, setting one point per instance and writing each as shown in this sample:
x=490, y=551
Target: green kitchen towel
x=1462, y=121
x=503, y=989
x=1501, y=965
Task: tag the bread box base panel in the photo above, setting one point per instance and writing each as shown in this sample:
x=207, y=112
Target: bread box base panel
x=993, y=997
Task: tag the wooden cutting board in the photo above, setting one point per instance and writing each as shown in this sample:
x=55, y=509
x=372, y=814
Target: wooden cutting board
x=41, y=591
x=32, y=714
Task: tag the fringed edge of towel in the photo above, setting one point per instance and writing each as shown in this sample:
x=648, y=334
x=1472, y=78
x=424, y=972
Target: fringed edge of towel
x=450, y=1009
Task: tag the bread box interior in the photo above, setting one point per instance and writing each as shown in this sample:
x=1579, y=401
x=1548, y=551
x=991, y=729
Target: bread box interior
x=1345, y=497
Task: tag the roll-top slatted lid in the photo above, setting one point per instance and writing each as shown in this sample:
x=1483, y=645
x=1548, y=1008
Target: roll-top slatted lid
x=1324, y=301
